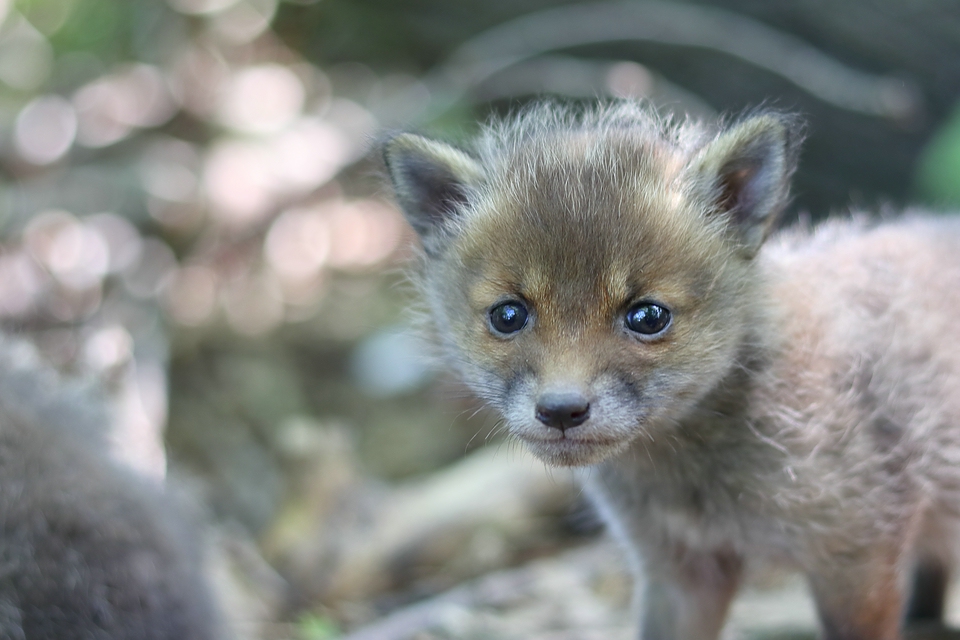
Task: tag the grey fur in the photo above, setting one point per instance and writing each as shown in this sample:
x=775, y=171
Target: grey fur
x=804, y=404
x=88, y=551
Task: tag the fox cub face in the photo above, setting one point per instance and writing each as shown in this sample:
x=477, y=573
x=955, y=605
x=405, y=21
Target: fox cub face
x=590, y=274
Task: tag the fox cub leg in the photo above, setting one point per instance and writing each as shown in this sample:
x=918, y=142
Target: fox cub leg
x=860, y=595
x=687, y=593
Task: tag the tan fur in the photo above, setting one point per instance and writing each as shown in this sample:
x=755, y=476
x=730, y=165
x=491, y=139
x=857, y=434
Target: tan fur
x=804, y=404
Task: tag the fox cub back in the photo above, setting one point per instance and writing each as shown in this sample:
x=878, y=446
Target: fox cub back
x=605, y=279
x=88, y=550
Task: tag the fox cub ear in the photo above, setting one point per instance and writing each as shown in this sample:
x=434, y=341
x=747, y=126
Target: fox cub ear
x=432, y=181
x=745, y=173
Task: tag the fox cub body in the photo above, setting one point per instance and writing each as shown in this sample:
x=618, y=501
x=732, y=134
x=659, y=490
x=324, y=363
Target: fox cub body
x=88, y=551
x=605, y=280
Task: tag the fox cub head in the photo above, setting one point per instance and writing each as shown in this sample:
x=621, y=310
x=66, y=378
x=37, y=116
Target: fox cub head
x=591, y=273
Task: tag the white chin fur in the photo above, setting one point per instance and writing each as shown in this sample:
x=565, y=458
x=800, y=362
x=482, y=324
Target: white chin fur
x=571, y=453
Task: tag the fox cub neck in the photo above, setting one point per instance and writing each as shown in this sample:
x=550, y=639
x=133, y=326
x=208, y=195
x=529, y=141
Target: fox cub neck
x=591, y=273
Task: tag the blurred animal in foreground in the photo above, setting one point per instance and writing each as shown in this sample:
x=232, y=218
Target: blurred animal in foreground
x=607, y=279
x=88, y=550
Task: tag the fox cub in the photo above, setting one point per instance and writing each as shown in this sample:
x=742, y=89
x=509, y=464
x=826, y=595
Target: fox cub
x=604, y=278
x=88, y=551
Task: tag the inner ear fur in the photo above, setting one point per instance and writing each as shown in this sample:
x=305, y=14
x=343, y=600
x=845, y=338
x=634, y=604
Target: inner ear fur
x=745, y=174
x=432, y=181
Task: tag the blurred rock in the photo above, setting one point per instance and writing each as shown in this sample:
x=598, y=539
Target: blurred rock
x=345, y=540
x=584, y=594
x=250, y=593
x=225, y=411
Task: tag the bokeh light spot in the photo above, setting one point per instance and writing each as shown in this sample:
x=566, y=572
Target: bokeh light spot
x=21, y=283
x=238, y=182
x=26, y=58
x=363, y=233
x=629, y=80
x=191, y=298
x=122, y=238
x=310, y=153
x=110, y=107
x=200, y=7
x=245, y=20
x=298, y=244
x=262, y=99
x=253, y=304
x=45, y=129
x=153, y=271
x=108, y=348
x=76, y=254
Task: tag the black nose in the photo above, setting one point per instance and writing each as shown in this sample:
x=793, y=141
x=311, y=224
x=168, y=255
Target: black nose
x=563, y=410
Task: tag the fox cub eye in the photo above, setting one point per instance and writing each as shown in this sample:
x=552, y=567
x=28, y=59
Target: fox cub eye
x=647, y=319
x=508, y=317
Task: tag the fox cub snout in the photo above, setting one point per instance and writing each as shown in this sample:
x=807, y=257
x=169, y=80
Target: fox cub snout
x=607, y=280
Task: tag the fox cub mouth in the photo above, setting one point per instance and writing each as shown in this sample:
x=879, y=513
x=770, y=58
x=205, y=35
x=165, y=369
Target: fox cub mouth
x=578, y=446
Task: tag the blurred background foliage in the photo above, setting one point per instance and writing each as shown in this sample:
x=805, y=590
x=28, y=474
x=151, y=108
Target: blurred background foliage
x=190, y=209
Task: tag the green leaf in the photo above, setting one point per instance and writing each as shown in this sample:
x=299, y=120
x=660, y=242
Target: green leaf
x=938, y=170
x=316, y=627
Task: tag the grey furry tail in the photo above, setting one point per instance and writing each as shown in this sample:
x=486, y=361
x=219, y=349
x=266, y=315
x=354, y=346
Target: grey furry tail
x=89, y=550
